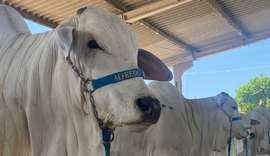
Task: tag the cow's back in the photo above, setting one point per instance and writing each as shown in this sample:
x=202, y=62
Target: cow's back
x=20, y=54
x=11, y=21
x=19, y=65
x=12, y=116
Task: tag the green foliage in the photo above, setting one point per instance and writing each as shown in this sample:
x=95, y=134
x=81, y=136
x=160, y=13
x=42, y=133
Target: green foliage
x=253, y=93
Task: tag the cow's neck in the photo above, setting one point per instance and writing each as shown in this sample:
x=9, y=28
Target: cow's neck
x=252, y=148
x=204, y=115
x=62, y=123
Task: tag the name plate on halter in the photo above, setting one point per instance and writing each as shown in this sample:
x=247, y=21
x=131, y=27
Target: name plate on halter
x=117, y=77
x=128, y=75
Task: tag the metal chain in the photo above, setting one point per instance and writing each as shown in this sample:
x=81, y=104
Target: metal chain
x=76, y=70
x=100, y=122
x=82, y=77
x=92, y=100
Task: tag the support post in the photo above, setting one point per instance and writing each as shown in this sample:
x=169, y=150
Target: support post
x=178, y=71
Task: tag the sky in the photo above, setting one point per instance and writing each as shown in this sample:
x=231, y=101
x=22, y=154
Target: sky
x=224, y=72
x=227, y=71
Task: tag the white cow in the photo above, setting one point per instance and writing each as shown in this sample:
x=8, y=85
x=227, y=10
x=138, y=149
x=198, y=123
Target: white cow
x=45, y=79
x=185, y=128
x=237, y=149
x=260, y=145
x=11, y=21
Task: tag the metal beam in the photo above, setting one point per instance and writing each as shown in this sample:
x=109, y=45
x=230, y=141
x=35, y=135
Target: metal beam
x=234, y=43
x=116, y=4
x=151, y=9
x=174, y=60
x=170, y=38
x=228, y=18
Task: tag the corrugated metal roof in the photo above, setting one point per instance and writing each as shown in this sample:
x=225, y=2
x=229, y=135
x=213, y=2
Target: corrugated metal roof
x=254, y=16
x=174, y=30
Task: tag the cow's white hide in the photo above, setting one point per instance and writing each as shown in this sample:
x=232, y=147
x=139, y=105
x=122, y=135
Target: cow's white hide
x=44, y=110
x=11, y=21
x=237, y=149
x=259, y=146
x=185, y=128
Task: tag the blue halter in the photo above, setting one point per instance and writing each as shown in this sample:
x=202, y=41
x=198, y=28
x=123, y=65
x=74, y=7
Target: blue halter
x=231, y=119
x=108, y=137
x=117, y=77
x=229, y=141
x=107, y=133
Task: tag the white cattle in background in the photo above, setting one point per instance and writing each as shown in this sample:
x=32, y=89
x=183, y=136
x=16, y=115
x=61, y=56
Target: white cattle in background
x=260, y=145
x=185, y=128
x=237, y=149
x=45, y=108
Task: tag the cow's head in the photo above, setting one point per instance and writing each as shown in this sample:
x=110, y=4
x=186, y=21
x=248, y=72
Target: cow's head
x=101, y=44
x=264, y=143
x=262, y=140
x=233, y=126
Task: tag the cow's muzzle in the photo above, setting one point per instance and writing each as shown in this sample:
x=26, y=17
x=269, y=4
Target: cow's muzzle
x=150, y=108
x=251, y=133
x=261, y=150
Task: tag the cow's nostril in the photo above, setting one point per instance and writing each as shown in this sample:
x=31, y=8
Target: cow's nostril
x=150, y=107
x=144, y=105
x=261, y=151
x=251, y=135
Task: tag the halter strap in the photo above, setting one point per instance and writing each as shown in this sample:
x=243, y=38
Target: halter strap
x=229, y=141
x=107, y=133
x=108, y=137
x=246, y=145
x=236, y=118
x=231, y=119
x=117, y=77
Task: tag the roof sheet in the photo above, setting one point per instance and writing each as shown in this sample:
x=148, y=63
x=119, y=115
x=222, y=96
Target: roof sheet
x=174, y=30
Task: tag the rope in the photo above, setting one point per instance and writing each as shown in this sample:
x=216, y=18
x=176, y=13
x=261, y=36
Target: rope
x=246, y=145
x=229, y=146
x=230, y=140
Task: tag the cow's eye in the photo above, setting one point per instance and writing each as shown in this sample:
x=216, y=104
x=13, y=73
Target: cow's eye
x=92, y=44
x=234, y=107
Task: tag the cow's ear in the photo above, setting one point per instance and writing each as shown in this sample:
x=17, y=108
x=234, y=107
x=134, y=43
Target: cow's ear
x=254, y=122
x=153, y=67
x=221, y=99
x=64, y=37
